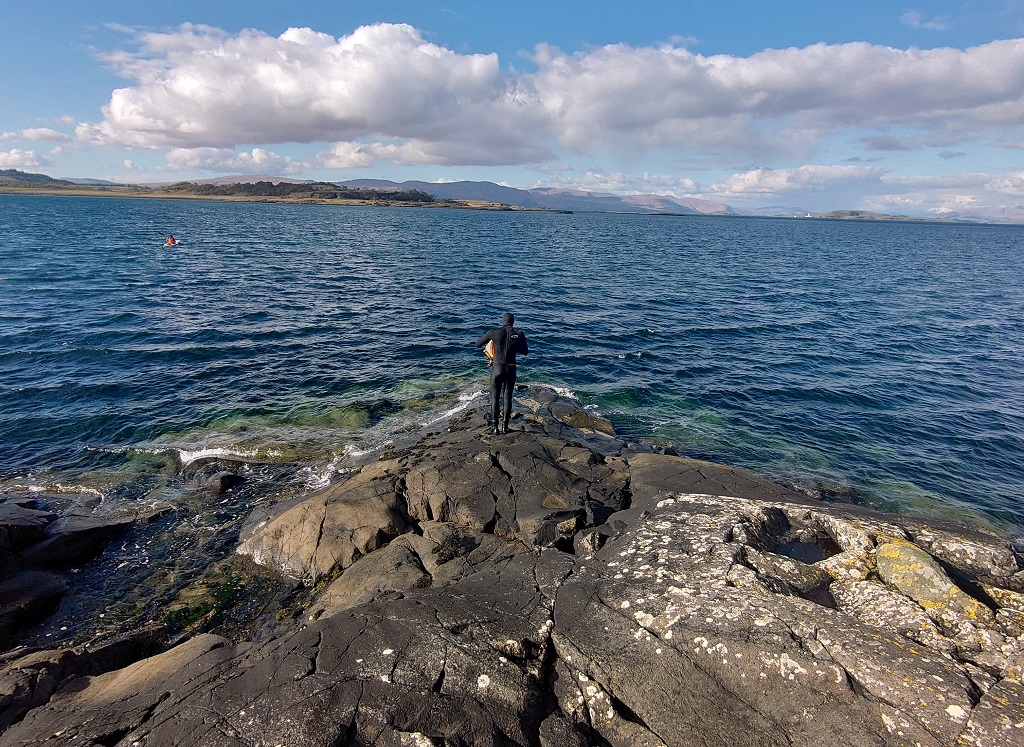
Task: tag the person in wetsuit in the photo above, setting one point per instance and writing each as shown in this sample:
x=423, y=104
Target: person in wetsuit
x=508, y=341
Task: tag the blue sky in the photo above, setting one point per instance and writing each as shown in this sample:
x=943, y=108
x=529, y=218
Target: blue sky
x=913, y=108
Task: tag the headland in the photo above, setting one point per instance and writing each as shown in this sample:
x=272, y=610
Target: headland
x=552, y=586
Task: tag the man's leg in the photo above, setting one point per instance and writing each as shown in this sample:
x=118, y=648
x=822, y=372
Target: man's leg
x=495, y=388
x=509, y=386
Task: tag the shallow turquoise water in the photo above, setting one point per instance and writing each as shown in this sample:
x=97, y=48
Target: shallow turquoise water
x=884, y=358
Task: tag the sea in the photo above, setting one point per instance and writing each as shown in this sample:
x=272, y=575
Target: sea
x=878, y=362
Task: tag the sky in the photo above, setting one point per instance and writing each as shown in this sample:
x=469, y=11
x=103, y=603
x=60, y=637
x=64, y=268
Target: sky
x=914, y=108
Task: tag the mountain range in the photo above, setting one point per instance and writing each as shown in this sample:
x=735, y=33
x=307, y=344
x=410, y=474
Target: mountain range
x=550, y=198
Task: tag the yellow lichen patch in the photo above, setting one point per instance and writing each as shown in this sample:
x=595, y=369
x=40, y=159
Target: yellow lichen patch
x=914, y=572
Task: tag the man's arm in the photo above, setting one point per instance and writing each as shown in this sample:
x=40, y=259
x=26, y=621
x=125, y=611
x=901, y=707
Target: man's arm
x=483, y=340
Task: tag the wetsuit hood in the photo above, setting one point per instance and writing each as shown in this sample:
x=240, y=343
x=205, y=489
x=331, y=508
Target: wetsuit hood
x=507, y=320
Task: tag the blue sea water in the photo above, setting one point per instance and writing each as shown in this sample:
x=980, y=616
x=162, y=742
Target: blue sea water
x=883, y=360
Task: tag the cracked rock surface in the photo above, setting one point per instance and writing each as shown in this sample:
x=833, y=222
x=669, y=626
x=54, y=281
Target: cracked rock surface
x=556, y=586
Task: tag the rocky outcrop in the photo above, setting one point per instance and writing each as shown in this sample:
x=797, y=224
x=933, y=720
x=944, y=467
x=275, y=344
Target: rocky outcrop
x=556, y=586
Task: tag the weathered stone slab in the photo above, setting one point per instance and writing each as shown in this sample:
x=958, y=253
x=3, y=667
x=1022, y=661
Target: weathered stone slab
x=333, y=528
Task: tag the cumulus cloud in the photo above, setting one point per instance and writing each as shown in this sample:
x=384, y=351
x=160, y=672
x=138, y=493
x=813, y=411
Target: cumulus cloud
x=202, y=87
x=383, y=93
x=1011, y=185
x=772, y=182
x=20, y=159
x=256, y=161
x=884, y=202
x=945, y=193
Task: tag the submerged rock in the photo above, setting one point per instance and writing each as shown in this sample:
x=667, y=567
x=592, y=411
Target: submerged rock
x=74, y=539
x=554, y=586
x=25, y=599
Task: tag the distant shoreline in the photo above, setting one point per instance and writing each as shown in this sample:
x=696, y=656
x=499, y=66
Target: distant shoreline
x=857, y=216
x=128, y=192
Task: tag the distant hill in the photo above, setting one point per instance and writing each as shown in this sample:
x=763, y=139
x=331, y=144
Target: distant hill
x=1013, y=214
x=90, y=182
x=553, y=198
x=778, y=211
x=250, y=179
x=545, y=198
x=297, y=190
x=222, y=181
x=13, y=177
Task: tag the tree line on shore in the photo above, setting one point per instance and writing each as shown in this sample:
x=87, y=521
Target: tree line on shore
x=318, y=190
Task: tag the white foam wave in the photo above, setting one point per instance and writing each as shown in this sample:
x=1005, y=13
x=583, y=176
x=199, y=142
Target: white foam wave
x=187, y=457
x=317, y=477
x=351, y=451
x=465, y=399
x=562, y=391
x=60, y=487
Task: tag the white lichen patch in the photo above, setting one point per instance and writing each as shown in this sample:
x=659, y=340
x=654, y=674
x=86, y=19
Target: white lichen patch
x=645, y=619
x=956, y=713
x=483, y=682
x=416, y=739
x=787, y=667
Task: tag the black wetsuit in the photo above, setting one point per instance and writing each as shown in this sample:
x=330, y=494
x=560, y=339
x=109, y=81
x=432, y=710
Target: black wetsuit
x=507, y=342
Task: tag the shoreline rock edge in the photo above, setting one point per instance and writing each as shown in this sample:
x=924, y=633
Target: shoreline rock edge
x=559, y=586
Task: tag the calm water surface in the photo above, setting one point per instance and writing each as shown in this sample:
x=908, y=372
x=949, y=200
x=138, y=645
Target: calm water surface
x=880, y=358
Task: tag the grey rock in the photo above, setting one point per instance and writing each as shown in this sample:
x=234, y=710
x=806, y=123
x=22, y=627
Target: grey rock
x=73, y=540
x=331, y=529
x=26, y=598
x=21, y=526
x=222, y=481
x=553, y=587
x=30, y=679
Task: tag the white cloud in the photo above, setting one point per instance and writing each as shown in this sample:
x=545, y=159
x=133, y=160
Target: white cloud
x=945, y=193
x=886, y=202
x=256, y=161
x=624, y=183
x=383, y=93
x=20, y=159
x=35, y=134
x=201, y=87
x=360, y=155
x=916, y=19
x=774, y=182
x=1011, y=185
x=669, y=97
x=954, y=203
